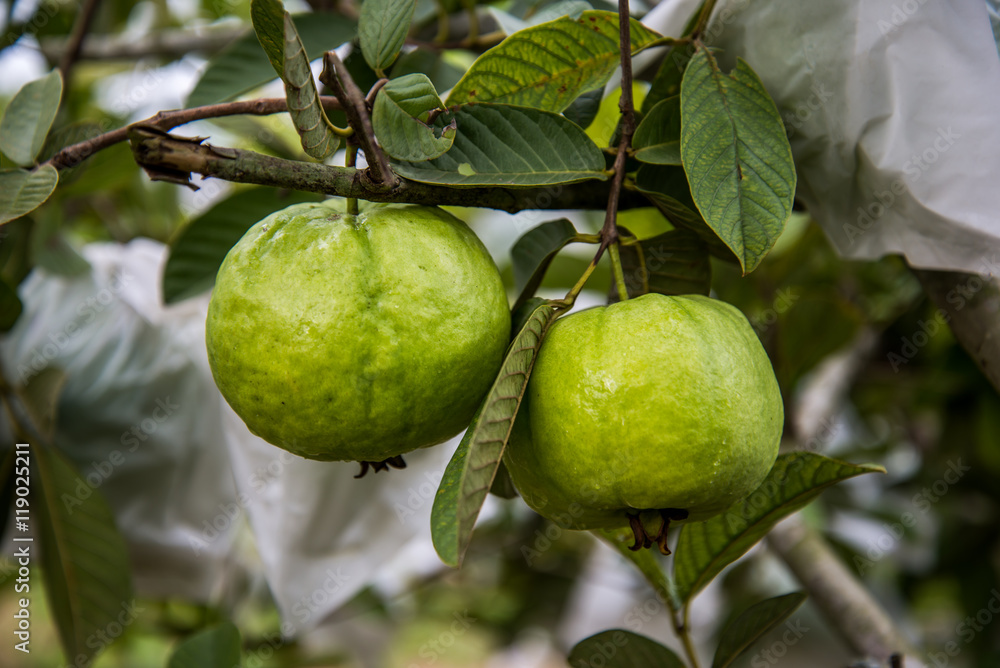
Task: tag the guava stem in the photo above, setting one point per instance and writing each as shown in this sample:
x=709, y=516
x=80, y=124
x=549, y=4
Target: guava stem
x=616, y=268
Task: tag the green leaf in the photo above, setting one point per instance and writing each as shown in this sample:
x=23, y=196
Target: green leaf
x=28, y=117
x=583, y=110
x=549, y=65
x=657, y=140
x=50, y=248
x=41, y=398
x=533, y=252
x=399, y=118
x=243, y=66
x=618, y=648
x=382, y=30
x=197, y=252
x=500, y=145
x=502, y=485
x=470, y=473
x=217, y=646
x=10, y=306
x=667, y=188
x=22, y=192
x=443, y=73
x=672, y=263
x=667, y=82
x=753, y=623
x=705, y=548
x=83, y=557
x=289, y=59
x=736, y=156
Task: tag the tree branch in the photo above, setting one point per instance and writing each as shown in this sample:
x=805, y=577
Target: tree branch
x=971, y=305
x=72, y=156
x=175, y=158
x=842, y=599
x=80, y=27
x=352, y=101
x=166, y=43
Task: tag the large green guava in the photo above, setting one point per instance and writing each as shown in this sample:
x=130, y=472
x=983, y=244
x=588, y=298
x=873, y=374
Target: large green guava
x=357, y=337
x=653, y=404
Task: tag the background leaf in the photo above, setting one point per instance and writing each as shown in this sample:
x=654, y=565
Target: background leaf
x=583, y=110
x=83, y=557
x=382, y=30
x=621, y=539
x=705, y=548
x=549, y=65
x=657, y=140
x=10, y=306
x=753, y=623
x=28, y=117
x=500, y=145
x=22, y=191
x=533, y=252
x=470, y=473
x=399, y=119
x=217, y=646
x=672, y=263
x=197, y=252
x=736, y=156
x=618, y=648
x=243, y=65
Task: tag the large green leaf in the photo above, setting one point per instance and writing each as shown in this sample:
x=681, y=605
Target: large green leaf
x=290, y=61
x=500, y=145
x=657, y=140
x=533, y=252
x=618, y=648
x=672, y=263
x=382, y=30
x=736, y=156
x=28, y=117
x=399, y=118
x=705, y=548
x=197, y=252
x=218, y=646
x=753, y=623
x=243, y=66
x=470, y=473
x=547, y=66
x=22, y=192
x=83, y=557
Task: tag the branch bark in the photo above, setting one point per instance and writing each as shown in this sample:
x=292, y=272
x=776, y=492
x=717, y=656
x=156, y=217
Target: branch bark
x=166, y=43
x=177, y=157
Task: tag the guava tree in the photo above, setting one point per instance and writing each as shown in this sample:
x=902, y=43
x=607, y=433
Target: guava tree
x=526, y=125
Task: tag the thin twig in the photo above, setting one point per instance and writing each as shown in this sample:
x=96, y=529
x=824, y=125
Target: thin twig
x=706, y=14
x=352, y=101
x=80, y=27
x=165, y=43
x=71, y=156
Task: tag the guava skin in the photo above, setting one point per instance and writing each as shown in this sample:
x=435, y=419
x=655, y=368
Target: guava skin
x=341, y=337
x=653, y=403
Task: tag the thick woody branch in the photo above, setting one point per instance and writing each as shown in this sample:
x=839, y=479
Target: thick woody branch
x=175, y=158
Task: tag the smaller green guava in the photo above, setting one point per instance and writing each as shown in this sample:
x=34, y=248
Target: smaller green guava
x=357, y=337
x=659, y=406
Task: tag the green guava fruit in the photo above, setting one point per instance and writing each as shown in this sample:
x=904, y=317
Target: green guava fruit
x=357, y=337
x=654, y=406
